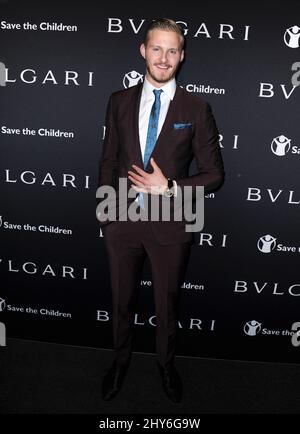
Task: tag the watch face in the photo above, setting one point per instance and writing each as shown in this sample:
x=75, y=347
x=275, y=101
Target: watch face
x=169, y=193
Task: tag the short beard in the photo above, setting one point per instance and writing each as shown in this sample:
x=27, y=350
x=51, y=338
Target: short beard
x=159, y=80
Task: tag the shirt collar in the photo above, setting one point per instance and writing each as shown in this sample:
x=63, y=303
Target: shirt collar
x=169, y=89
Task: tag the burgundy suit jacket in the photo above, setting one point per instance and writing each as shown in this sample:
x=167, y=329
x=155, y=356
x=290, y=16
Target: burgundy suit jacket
x=176, y=146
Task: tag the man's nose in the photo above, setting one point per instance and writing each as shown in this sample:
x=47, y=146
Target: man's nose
x=164, y=57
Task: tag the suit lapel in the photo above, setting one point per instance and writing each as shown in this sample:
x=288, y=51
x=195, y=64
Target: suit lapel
x=136, y=141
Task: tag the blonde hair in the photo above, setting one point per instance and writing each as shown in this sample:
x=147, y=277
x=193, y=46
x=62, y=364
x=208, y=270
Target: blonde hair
x=165, y=24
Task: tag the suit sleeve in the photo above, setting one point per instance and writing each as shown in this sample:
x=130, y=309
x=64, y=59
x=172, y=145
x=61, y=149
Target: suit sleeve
x=109, y=163
x=206, y=150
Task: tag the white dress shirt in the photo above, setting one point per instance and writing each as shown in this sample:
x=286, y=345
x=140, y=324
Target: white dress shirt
x=147, y=100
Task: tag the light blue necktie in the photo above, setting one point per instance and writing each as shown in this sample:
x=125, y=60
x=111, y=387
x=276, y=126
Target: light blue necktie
x=151, y=135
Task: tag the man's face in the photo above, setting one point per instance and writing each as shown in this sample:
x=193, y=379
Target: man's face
x=163, y=54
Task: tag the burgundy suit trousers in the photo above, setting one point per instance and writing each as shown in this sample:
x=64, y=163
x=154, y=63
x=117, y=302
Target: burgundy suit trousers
x=128, y=243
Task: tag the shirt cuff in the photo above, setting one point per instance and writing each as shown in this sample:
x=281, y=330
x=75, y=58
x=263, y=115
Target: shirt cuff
x=175, y=187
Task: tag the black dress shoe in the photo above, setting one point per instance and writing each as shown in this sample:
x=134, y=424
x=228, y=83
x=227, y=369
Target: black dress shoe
x=171, y=382
x=113, y=381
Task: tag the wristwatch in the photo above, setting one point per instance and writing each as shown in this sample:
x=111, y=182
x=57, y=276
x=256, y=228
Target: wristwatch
x=169, y=192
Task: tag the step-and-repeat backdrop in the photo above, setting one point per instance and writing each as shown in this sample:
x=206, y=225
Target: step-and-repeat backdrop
x=60, y=61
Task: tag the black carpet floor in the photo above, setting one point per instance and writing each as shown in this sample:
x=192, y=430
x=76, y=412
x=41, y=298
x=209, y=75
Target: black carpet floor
x=39, y=378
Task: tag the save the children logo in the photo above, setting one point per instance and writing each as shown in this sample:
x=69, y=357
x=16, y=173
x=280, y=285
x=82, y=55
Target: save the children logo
x=280, y=145
x=131, y=79
x=266, y=243
x=251, y=328
x=292, y=37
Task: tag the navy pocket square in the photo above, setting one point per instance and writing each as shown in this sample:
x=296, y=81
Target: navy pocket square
x=181, y=126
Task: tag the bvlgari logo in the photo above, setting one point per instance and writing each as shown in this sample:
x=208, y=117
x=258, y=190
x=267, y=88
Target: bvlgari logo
x=219, y=31
x=229, y=143
x=274, y=195
x=140, y=320
x=64, y=180
x=60, y=78
x=292, y=37
x=131, y=79
x=212, y=240
x=268, y=90
x=266, y=288
x=32, y=268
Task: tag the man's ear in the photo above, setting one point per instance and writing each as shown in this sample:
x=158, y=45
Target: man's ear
x=182, y=56
x=143, y=50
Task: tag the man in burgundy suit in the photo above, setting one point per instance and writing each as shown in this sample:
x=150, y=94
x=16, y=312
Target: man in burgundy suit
x=153, y=132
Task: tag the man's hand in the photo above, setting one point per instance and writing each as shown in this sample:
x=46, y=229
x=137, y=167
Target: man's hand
x=154, y=183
